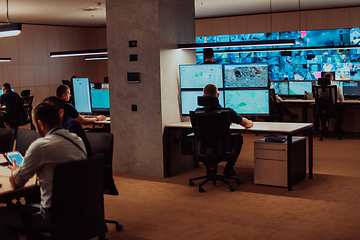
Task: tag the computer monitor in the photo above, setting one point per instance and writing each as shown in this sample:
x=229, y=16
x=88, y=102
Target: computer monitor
x=300, y=87
x=198, y=76
x=189, y=100
x=81, y=91
x=1, y=91
x=246, y=75
x=351, y=88
x=100, y=99
x=281, y=88
x=248, y=102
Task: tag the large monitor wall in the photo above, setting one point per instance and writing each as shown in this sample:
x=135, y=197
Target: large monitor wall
x=305, y=64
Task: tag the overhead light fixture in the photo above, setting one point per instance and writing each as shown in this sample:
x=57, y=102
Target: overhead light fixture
x=9, y=29
x=79, y=53
x=96, y=58
x=238, y=44
x=5, y=59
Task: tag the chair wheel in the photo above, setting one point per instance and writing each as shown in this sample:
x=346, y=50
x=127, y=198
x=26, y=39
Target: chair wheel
x=321, y=139
x=191, y=184
x=232, y=189
x=201, y=189
x=119, y=227
x=238, y=182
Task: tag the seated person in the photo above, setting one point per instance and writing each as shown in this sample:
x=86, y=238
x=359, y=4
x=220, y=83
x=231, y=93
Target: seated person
x=8, y=98
x=211, y=90
x=340, y=100
x=63, y=92
x=106, y=83
x=69, y=123
x=55, y=145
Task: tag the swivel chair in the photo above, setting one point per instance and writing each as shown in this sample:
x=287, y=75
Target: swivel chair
x=212, y=140
x=21, y=114
x=7, y=136
x=275, y=111
x=24, y=138
x=326, y=107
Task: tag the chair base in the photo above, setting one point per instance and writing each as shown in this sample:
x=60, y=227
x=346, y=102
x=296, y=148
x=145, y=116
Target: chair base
x=118, y=226
x=213, y=177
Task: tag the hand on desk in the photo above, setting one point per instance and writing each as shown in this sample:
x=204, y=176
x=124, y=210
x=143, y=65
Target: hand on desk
x=100, y=118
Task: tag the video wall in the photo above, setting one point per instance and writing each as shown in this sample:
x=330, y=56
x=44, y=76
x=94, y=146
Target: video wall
x=297, y=64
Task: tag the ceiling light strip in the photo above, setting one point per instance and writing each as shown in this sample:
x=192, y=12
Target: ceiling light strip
x=79, y=53
x=10, y=30
x=96, y=58
x=5, y=59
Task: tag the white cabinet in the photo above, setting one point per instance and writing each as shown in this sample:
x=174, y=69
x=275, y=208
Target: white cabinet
x=270, y=163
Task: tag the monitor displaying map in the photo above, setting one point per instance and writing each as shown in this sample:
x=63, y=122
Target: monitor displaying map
x=197, y=76
x=281, y=88
x=300, y=87
x=189, y=100
x=246, y=75
x=248, y=102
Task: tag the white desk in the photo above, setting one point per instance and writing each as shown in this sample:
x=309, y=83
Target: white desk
x=290, y=129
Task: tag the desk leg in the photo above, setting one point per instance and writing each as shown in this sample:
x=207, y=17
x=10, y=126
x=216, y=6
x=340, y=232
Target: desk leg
x=304, y=113
x=311, y=153
x=166, y=153
x=289, y=162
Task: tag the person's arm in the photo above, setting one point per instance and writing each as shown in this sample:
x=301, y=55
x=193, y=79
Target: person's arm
x=85, y=121
x=12, y=179
x=278, y=98
x=246, y=123
x=339, y=94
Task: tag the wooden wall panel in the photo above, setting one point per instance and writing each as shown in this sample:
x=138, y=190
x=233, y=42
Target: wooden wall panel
x=238, y=24
x=354, y=17
x=338, y=18
x=220, y=26
x=203, y=27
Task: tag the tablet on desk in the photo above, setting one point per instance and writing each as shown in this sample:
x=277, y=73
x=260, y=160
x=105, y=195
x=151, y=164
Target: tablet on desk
x=10, y=156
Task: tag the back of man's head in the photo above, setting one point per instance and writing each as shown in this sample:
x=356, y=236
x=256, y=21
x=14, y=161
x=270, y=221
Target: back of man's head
x=328, y=75
x=47, y=114
x=210, y=90
x=61, y=90
x=208, y=53
x=55, y=101
x=106, y=79
x=7, y=86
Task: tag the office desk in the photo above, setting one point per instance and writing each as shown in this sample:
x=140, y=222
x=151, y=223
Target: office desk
x=304, y=105
x=290, y=129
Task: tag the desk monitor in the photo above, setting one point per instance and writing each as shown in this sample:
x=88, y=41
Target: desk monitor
x=246, y=75
x=300, y=87
x=197, y=76
x=189, y=100
x=81, y=89
x=100, y=99
x=1, y=91
x=281, y=88
x=351, y=88
x=248, y=102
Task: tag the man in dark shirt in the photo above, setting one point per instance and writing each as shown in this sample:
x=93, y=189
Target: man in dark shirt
x=209, y=56
x=211, y=90
x=8, y=98
x=63, y=92
x=69, y=123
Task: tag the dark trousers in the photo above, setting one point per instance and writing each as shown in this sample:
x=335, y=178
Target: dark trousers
x=236, y=143
x=3, y=118
x=339, y=118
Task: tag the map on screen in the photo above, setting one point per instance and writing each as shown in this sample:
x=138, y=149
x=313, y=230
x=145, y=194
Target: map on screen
x=197, y=76
x=248, y=102
x=245, y=75
x=299, y=88
x=189, y=100
x=281, y=88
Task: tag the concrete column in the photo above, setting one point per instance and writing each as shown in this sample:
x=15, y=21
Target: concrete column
x=158, y=26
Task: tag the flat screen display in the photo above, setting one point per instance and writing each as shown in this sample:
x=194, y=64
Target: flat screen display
x=248, y=102
x=245, y=75
x=189, y=100
x=100, y=99
x=281, y=88
x=299, y=88
x=14, y=155
x=81, y=88
x=351, y=88
x=1, y=91
x=198, y=76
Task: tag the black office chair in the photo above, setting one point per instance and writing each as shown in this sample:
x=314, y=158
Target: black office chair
x=7, y=136
x=102, y=142
x=21, y=114
x=275, y=111
x=25, y=93
x=326, y=106
x=24, y=138
x=76, y=204
x=212, y=141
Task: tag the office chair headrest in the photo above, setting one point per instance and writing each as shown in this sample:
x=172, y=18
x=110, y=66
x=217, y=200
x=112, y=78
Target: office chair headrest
x=324, y=81
x=208, y=102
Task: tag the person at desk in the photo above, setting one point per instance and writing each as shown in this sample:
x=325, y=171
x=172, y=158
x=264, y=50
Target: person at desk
x=63, y=92
x=69, y=123
x=209, y=56
x=211, y=90
x=106, y=83
x=7, y=99
x=340, y=99
x=55, y=145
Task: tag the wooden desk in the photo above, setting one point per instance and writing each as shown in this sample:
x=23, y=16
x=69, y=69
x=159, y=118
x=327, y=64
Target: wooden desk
x=290, y=129
x=6, y=192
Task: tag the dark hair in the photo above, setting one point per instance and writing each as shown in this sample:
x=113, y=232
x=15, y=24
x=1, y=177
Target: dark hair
x=54, y=101
x=106, y=80
x=208, y=53
x=61, y=90
x=47, y=114
x=210, y=90
x=328, y=75
x=7, y=86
